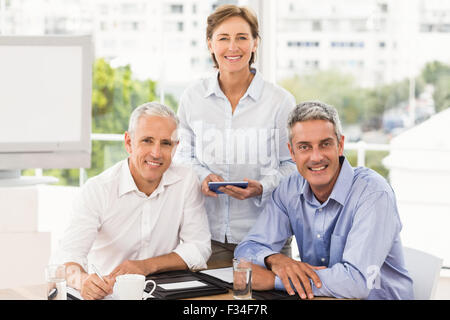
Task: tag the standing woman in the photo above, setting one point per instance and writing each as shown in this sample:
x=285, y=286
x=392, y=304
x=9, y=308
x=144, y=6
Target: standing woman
x=233, y=128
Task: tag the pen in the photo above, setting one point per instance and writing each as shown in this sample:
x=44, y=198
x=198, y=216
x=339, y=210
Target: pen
x=97, y=273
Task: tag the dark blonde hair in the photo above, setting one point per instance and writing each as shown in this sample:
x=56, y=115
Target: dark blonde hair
x=226, y=11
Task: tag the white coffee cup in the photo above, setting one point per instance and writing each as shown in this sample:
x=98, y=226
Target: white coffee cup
x=131, y=286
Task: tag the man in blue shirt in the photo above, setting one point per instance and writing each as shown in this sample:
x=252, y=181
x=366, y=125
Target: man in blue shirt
x=344, y=219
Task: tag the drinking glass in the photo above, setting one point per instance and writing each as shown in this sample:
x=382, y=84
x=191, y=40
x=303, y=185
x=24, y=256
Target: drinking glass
x=55, y=275
x=242, y=278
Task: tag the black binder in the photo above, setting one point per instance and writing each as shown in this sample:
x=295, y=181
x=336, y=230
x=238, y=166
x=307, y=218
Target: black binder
x=257, y=295
x=211, y=288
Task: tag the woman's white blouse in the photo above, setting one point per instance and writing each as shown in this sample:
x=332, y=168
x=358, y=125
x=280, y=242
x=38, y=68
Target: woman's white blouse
x=251, y=143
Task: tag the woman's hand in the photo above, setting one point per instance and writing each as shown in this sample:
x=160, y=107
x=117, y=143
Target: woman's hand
x=253, y=189
x=205, y=188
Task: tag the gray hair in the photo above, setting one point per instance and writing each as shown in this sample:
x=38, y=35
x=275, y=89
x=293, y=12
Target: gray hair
x=314, y=110
x=151, y=109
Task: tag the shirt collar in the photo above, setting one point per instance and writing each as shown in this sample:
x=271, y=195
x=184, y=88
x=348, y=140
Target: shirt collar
x=127, y=184
x=254, y=90
x=212, y=86
x=126, y=181
x=343, y=183
x=341, y=187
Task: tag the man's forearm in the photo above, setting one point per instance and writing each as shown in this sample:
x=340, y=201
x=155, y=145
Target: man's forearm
x=262, y=279
x=167, y=262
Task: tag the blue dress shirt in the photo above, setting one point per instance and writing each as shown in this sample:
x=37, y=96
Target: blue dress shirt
x=355, y=233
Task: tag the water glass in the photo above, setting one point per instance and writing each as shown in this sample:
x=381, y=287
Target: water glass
x=55, y=275
x=242, y=278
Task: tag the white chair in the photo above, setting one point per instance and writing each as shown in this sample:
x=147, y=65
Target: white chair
x=424, y=269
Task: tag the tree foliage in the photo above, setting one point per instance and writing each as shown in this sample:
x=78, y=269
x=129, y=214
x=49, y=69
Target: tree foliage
x=114, y=96
x=437, y=74
x=332, y=87
x=441, y=93
x=355, y=105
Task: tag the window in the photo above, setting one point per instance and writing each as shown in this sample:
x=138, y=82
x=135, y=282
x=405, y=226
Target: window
x=383, y=7
x=317, y=25
x=311, y=64
x=304, y=44
x=176, y=8
x=347, y=44
x=358, y=25
x=129, y=8
x=195, y=62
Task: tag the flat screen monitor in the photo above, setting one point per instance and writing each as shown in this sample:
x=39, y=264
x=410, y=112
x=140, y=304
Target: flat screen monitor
x=45, y=102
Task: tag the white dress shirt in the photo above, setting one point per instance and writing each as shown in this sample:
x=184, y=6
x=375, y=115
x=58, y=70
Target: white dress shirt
x=112, y=221
x=249, y=143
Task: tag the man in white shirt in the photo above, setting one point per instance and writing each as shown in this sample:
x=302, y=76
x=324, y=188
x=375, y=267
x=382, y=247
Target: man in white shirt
x=143, y=215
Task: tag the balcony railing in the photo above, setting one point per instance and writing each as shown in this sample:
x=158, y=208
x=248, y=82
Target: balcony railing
x=360, y=147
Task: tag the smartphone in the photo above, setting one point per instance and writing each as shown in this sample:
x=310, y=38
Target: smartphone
x=214, y=186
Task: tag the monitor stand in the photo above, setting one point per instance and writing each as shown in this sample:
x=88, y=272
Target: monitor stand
x=12, y=178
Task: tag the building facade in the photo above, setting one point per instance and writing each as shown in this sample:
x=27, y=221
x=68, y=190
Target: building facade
x=378, y=41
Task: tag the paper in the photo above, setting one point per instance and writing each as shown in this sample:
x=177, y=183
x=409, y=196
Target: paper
x=224, y=274
x=74, y=293
x=77, y=294
x=182, y=285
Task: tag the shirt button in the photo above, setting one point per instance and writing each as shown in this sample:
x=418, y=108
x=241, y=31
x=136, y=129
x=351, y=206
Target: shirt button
x=320, y=210
x=318, y=236
x=323, y=259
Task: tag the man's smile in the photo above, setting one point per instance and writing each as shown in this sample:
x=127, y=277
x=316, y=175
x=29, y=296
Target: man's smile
x=153, y=164
x=318, y=168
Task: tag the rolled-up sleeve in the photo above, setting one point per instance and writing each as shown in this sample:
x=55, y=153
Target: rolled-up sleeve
x=195, y=246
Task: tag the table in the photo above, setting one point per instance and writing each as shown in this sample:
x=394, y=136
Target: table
x=34, y=292
x=39, y=292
